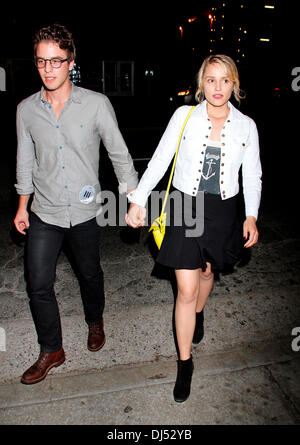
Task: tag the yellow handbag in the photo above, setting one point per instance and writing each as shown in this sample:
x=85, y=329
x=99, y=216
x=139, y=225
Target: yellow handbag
x=158, y=226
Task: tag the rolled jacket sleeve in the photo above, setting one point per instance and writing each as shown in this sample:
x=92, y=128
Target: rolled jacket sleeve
x=116, y=147
x=25, y=157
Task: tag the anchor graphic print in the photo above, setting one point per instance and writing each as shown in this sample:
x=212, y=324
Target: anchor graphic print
x=211, y=170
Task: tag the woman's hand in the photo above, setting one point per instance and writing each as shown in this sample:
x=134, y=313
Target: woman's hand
x=250, y=231
x=136, y=216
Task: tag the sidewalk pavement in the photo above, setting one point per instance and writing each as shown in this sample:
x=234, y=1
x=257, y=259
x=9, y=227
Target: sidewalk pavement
x=246, y=367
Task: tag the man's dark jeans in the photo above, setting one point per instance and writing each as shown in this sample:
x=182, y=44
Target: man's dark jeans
x=43, y=246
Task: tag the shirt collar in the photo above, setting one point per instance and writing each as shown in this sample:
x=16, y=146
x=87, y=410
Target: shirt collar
x=75, y=95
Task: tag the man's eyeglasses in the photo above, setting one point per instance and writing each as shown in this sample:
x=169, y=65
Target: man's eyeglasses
x=54, y=62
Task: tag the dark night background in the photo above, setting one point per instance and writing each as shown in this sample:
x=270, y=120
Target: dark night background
x=149, y=35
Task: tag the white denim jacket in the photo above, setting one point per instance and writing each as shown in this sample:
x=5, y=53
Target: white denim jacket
x=239, y=146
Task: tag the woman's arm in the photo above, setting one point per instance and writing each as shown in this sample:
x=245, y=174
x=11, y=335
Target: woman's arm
x=161, y=158
x=252, y=173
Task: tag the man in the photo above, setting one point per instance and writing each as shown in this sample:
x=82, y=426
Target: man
x=59, y=131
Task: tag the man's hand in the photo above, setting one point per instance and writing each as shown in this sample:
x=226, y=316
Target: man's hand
x=21, y=220
x=250, y=230
x=136, y=216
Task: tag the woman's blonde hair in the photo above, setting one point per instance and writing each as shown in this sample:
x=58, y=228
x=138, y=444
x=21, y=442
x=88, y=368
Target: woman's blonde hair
x=231, y=70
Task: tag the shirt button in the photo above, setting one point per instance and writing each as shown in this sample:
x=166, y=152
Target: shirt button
x=222, y=173
x=63, y=166
x=206, y=136
x=223, y=135
x=243, y=144
x=69, y=205
x=60, y=147
x=57, y=126
x=222, y=182
x=195, y=188
x=222, y=165
x=66, y=186
x=223, y=154
x=209, y=128
x=223, y=143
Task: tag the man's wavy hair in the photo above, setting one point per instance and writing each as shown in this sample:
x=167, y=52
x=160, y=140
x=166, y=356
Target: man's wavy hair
x=59, y=34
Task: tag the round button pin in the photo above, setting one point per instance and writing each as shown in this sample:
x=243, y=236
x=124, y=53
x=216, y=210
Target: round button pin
x=87, y=194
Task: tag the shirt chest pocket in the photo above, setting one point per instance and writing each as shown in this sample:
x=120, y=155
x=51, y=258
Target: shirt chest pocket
x=238, y=146
x=189, y=146
x=81, y=134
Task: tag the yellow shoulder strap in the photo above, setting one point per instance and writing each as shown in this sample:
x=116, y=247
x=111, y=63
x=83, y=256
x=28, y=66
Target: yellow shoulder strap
x=175, y=158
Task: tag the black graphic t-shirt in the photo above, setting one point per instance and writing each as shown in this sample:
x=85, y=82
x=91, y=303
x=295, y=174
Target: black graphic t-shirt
x=211, y=169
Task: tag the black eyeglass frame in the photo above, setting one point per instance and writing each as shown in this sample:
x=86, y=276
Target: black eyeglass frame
x=51, y=61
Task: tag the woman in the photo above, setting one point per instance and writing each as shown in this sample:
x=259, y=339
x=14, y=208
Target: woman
x=216, y=142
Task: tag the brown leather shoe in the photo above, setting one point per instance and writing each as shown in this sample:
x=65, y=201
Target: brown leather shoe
x=39, y=370
x=96, y=338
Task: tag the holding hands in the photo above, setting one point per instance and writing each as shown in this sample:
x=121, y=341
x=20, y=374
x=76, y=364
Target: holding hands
x=136, y=216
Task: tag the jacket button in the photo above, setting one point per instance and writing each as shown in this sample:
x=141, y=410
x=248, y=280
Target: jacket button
x=243, y=144
x=206, y=136
x=228, y=120
x=223, y=135
x=222, y=182
x=222, y=165
x=223, y=143
x=195, y=188
x=202, y=152
x=223, y=154
x=199, y=171
x=209, y=128
x=222, y=173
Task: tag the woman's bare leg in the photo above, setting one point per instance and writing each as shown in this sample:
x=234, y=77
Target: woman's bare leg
x=206, y=284
x=188, y=282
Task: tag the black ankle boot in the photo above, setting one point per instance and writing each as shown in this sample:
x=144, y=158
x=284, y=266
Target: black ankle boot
x=182, y=386
x=199, y=328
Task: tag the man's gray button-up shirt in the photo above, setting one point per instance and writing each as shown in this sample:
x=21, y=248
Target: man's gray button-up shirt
x=58, y=159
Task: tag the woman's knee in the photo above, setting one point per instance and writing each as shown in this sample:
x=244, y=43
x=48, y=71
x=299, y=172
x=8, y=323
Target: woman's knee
x=187, y=294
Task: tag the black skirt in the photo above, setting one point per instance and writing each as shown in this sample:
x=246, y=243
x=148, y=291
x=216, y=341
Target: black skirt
x=221, y=242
